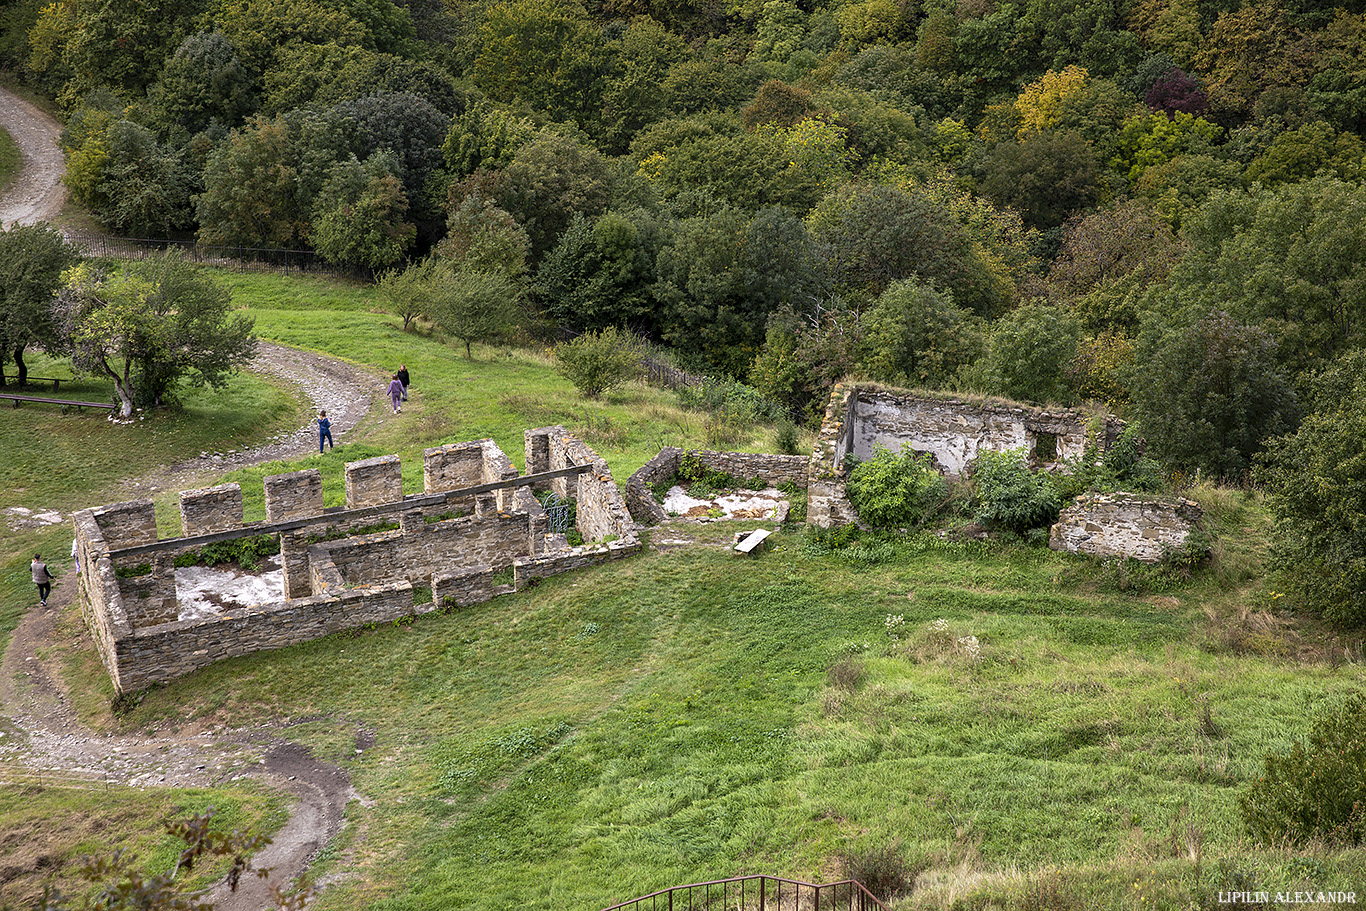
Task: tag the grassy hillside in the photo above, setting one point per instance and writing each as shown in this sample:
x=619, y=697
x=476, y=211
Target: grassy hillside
x=685, y=716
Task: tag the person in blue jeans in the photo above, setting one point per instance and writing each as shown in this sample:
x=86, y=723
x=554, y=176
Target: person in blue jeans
x=324, y=431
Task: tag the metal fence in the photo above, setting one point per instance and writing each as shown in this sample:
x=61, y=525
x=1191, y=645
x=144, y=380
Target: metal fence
x=243, y=259
x=757, y=893
x=18, y=775
x=668, y=376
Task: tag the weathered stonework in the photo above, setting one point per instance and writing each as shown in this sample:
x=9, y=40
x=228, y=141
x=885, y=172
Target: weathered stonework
x=127, y=524
x=951, y=431
x=297, y=495
x=210, y=509
x=372, y=482
x=1125, y=525
x=773, y=469
x=333, y=578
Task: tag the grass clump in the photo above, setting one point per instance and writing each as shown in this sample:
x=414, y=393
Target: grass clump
x=245, y=552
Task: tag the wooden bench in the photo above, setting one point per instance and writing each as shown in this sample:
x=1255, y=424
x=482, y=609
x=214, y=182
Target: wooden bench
x=751, y=541
x=34, y=381
x=65, y=403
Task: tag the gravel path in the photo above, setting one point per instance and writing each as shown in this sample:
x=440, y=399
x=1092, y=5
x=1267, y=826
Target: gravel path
x=345, y=391
x=37, y=193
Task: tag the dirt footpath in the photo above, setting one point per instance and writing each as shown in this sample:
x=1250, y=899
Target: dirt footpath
x=39, y=732
x=37, y=193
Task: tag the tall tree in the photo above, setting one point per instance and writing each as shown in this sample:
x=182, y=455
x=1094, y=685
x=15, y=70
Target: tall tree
x=1316, y=481
x=359, y=217
x=156, y=324
x=32, y=259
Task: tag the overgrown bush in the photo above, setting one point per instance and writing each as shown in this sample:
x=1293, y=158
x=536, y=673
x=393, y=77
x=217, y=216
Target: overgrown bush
x=1318, y=788
x=1125, y=466
x=891, y=490
x=732, y=402
x=245, y=552
x=1009, y=495
x=882, y=869
x=597, y=361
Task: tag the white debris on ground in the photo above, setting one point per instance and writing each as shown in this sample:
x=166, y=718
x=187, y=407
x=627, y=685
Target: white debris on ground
x=211, y=591
x=20, y=518
x=747, y=504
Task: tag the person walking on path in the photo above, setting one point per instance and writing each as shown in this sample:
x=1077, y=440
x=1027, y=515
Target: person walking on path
x=41, y=578
x=396, y=393
x=324, y=431
x=403, y=378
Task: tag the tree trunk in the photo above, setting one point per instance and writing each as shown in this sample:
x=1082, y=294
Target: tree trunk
x=23, y=368
x=125, y=394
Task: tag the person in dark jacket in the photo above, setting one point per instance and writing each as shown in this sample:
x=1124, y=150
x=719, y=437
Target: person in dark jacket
x=403, y=378
x=324, y=430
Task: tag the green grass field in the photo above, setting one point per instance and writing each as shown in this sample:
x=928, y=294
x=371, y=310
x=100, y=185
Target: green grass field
x=682, y=716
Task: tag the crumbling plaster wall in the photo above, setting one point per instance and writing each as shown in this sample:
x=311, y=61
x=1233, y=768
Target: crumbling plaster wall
x=952, y=431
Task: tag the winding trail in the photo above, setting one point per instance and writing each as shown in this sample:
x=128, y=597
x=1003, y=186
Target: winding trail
x=40, y=734
x=37, y=193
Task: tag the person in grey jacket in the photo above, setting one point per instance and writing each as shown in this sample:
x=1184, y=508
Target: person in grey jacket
x=41, y=578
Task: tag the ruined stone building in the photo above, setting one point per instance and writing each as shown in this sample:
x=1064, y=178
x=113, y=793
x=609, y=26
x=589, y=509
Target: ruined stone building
x=344, y=567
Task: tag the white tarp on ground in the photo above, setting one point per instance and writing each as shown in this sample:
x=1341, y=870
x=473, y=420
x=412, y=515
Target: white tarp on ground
x=210, y=591
x=742, y=504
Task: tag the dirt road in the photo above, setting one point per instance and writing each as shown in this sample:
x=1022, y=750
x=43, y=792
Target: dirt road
x=37, y=193
x=40, y=734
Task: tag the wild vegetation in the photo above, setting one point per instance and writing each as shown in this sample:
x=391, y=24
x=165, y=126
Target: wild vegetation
x=992, y=722
x=1154, y=204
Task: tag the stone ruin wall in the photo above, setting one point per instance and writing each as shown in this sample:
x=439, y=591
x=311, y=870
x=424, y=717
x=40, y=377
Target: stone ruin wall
x=1125, y=525
x=774, y=469
x=332, y=580
x=951, y=431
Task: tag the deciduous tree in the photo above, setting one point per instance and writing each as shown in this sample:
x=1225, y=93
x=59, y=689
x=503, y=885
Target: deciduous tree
x=155, y=324
x=32, y=259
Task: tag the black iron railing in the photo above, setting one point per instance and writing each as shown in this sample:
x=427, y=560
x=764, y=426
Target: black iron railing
x=757, y=893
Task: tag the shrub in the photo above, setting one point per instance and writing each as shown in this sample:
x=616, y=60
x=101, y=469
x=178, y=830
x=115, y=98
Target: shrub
x=731, y=401
x=896, y=490
x=597, y=361
x=1318, y=788
x=882, y=869
x=1009, y=495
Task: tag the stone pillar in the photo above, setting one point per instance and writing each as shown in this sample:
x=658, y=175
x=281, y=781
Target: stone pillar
x=453, y=466
x=498, y=467
x=374, y=482
x=537, y=450
x=297, y=495
x=412, y=522
x=130, y=524
x=210, y=509
x=150, y=600
x=294, y=562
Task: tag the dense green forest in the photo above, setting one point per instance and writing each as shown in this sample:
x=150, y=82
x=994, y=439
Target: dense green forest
x=1155, y=204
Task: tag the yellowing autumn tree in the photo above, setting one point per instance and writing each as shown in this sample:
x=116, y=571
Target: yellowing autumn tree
x=1041, y=105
